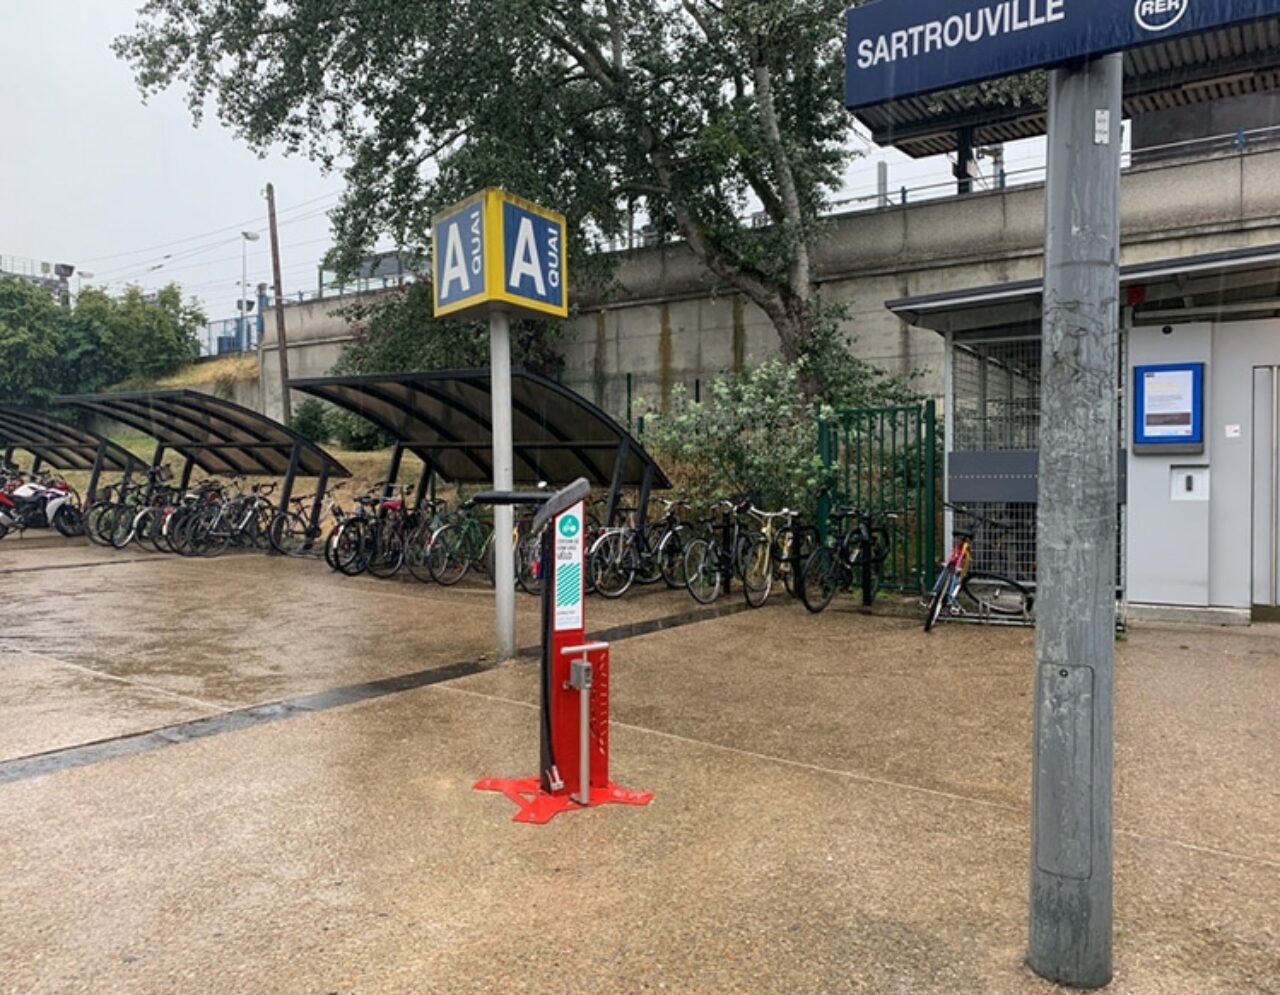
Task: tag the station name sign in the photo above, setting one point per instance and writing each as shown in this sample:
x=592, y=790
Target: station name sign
x=896, y=49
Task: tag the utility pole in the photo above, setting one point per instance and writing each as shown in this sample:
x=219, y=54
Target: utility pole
x=282, y=342
x=1071, y=793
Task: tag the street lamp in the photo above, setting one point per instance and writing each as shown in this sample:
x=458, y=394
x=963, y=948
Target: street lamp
x=245, y=238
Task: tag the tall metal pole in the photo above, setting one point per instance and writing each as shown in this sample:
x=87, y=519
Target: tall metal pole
x=504, y=568
x=1071, y=841
x=281, y=342
x=244, y=291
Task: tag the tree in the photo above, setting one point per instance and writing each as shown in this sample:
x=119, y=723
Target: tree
x=32, y=336
x=398, y=332
x=687, y=113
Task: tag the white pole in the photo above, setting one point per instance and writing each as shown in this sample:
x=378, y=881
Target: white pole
x=504, y=570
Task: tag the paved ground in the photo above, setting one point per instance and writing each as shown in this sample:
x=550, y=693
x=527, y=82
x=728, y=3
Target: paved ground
x=841, y=801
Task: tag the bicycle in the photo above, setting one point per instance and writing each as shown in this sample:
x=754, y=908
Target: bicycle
x=622, y=555
x=859, y=553
x=711, y=562
x=769, y=551
x=990, y=592
x=292, y=533
x=464, y=543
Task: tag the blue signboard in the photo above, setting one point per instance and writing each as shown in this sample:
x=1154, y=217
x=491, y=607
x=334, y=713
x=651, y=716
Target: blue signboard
x=899, y=49
x=1168, y=406
x=533, y=253
x=459, y=256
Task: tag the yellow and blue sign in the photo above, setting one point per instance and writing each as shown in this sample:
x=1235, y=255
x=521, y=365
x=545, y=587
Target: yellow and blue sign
x=496, y=251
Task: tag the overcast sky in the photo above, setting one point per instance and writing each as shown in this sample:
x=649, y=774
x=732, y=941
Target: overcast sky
x=91, y=176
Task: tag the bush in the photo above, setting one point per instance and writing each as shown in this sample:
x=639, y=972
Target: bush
x=755, y=434
x=311, y=421
x=355, y=433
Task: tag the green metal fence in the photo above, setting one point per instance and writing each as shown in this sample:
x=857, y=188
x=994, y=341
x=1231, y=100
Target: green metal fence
x=886, y=460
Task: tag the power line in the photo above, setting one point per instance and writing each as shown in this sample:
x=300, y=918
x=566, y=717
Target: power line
x=216, y=231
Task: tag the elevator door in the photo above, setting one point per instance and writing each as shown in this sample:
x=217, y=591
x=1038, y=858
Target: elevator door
x=1266, y=486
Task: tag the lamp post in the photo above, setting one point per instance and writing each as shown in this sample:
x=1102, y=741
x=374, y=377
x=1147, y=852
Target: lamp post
x=245, y=238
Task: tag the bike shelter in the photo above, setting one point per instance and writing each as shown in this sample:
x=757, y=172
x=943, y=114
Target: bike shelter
x=219, y=437
x=61, y=445
x=443, y=418
x=573, y=768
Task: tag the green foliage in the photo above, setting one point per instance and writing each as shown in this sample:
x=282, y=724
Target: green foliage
x=46, y=349
x=687, y=115
x=397, y=332
x=32, y=337
x=755, y=434
x=311, y=420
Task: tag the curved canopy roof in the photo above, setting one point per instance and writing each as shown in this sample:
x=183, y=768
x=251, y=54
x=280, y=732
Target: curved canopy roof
x=60, y=444
x=216, y=435
x=443, y=418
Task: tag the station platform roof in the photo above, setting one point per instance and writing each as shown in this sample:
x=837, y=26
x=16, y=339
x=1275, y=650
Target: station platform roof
x=60, y=444
x=443, y=417
x=1240, y=283
x=218, y=436
x=1179, y=72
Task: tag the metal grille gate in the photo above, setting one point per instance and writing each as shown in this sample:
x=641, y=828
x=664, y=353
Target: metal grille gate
x=886, y=460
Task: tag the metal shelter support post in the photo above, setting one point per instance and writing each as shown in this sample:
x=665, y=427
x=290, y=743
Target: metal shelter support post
x=1071, y=842
x=156, y=460
x=35, y=465
x=504, y=566
x=317, y=506
x=393, y=471
x=95, y=474
x=642, y=501
x=615, y=485
x=426, y=479
x=964, y=160
x=290, y=475
x=187, y=467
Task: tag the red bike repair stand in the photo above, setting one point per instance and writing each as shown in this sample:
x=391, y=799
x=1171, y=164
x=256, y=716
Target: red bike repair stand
x=575, y=675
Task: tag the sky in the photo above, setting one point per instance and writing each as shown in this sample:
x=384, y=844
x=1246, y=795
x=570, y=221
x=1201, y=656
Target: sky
x=133, y=193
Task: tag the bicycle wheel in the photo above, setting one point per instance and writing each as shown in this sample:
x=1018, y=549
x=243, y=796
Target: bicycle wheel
x=289, y=533
x=940, y=594
x=417, y=548
x=350, y=547
x=670, y=555
x=529, y=569
x=648, y=566
x=702, y=570
x=209, y=533
x=145, y=526
x=447, y=558
x=757, y=570
x=612, y=564
x=386, y=553
x=819, y=578
x=120, y=530
x=997, y=595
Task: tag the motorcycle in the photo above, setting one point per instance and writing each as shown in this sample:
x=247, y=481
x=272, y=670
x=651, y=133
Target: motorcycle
x=39, y=504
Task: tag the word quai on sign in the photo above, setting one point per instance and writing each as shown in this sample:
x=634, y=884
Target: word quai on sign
x=496, y=251
x=896, y=49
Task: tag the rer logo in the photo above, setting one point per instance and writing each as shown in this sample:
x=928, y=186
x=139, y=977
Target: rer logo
x=496, y=251
x=1159, y=15
x=570, y=526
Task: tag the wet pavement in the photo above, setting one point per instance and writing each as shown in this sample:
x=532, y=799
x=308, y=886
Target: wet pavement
x=841, y=801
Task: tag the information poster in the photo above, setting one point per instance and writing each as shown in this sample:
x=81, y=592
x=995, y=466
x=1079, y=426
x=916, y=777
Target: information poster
x=1170, y=404
x=1169, y=408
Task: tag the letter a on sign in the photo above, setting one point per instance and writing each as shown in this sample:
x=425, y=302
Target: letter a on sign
x=527, y=262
